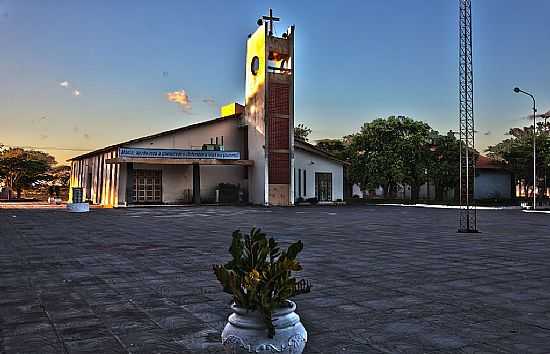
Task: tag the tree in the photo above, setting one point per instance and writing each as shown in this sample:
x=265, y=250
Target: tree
x=336, y=147
x=375, y=155
x=402, y=151
x=22, y=168
x=516, y=152
x=302, y=132
x=60, y=175
x=2, y=173
x=414, y=145
x=444, y=163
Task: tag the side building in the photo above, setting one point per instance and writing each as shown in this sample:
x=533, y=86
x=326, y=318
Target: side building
x=493, y=180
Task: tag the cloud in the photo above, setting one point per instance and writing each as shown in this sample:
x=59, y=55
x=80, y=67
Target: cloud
x=39, y=120
x=181, y=98
x=67, y=84
x=209, y=101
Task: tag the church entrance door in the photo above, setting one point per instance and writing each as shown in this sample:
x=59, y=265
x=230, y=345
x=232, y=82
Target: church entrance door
x=323, y=186
x=147, y=186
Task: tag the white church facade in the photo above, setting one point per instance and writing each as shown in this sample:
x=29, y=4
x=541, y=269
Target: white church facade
x=249, y=153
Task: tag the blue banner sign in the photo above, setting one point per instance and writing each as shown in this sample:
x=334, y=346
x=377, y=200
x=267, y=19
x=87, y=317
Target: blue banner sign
x=178, y=154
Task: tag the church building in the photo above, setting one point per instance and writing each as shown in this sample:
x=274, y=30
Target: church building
x=248, y=154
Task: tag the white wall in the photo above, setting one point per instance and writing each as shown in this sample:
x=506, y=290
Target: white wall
x=176, y=179
x=492, y=184
x=194, y=138
x=356, y=191
x=122, y=178
x=404, y=192
x=103, y=184
x=303, y=161
x=211, y=176
x=258, y=174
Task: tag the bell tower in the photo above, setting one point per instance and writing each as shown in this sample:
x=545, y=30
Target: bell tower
x=269, y=113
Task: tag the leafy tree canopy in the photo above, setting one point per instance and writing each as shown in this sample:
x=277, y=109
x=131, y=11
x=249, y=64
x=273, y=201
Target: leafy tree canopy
x=22, y=168
x=60, y=175
x=302, y=132
x=516, y=151
x=444, y=162
x=399, y=150
x=336, y=147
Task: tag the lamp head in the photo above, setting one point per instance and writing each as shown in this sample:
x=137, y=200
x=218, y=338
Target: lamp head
x=517, y=90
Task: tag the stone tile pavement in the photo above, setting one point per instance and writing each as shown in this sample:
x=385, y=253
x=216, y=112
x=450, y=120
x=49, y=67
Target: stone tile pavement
x=386, y=279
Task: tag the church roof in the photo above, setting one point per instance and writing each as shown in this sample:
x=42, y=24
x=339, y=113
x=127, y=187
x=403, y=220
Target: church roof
x=487, y=163
x=298, y=142
x=301, y=144
x=157, y=135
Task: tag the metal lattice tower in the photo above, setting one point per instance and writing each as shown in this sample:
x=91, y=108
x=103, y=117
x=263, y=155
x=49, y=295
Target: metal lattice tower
x=467, y=214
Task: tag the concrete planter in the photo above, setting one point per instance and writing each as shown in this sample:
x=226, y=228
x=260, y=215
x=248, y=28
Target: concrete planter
x=246, y=332
x=54, y=200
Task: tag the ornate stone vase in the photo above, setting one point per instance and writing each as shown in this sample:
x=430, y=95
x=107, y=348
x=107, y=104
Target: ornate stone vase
x=246, y=332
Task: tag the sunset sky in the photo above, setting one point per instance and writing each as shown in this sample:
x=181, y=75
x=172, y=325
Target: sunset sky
x=85, y=74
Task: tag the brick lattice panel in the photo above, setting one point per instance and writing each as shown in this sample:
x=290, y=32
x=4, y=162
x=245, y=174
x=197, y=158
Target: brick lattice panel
x=279, y=109
x=278, y=168
x=278, y=133
x=279, y=95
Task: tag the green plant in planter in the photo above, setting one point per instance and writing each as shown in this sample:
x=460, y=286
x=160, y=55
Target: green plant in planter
x=259, y=277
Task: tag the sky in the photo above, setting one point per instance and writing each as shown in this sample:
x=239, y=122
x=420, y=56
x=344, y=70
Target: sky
x=82, y=75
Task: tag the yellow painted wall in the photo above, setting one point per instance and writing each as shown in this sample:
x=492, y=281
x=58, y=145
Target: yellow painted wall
x=255, y=96
x=231, y=109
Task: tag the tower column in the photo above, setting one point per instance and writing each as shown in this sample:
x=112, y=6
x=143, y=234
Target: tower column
x=196, y=184
x=269, y=113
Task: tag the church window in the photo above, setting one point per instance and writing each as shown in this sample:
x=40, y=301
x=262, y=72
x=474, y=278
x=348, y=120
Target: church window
x=299, y=182
x=295, y=184
x=305, y=190
x=255, y=65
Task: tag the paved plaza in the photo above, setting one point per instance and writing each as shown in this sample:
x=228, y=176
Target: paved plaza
x=385, y=279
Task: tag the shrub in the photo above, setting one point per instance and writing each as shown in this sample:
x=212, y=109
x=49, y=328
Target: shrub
x=229, y=193
x=259, y=277
x=312, y=200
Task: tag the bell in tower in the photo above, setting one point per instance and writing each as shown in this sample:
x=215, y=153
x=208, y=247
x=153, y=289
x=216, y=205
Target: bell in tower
x=269, y=113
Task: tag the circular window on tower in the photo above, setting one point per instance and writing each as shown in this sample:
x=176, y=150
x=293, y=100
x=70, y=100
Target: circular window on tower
x=255, y=65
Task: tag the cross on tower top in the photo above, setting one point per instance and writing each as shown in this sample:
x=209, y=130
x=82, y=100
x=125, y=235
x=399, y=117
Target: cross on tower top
x=270, y=19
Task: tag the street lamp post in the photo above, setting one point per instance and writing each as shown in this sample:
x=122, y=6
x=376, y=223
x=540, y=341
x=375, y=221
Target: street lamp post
x=545, y=116
x=518, y=90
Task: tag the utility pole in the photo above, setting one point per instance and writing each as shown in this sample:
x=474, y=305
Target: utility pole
x=467, y=219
